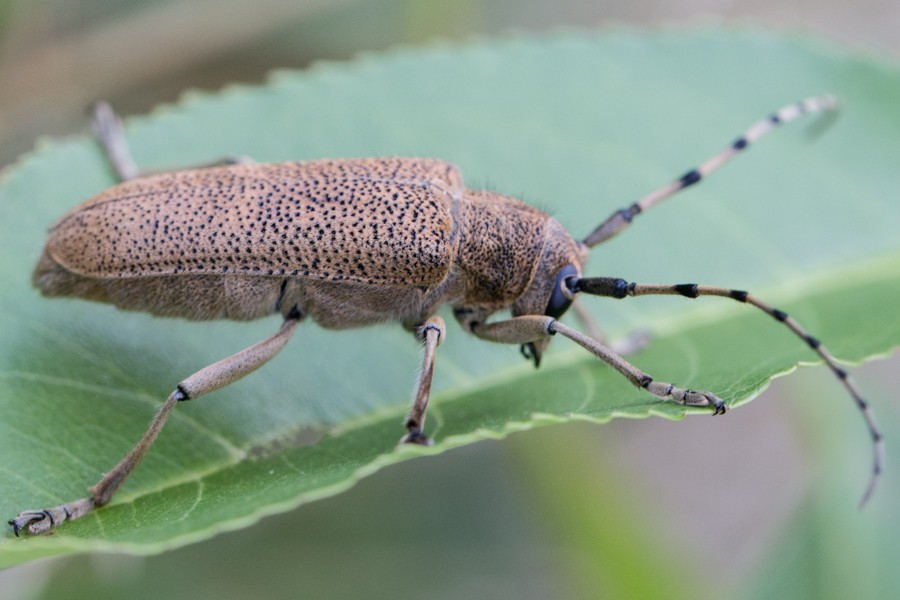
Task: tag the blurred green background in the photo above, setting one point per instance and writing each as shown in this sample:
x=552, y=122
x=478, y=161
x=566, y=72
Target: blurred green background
x=575, y=511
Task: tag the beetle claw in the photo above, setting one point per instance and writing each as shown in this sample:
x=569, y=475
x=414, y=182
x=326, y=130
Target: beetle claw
x=712, y=400
x=415, y=436
x=699, y=398
x=719, y=406
x=36, y=521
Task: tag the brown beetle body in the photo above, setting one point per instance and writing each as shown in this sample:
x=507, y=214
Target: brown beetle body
x=350, y=243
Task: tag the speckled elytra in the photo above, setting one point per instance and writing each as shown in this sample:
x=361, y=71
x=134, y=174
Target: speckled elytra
x=350, y=243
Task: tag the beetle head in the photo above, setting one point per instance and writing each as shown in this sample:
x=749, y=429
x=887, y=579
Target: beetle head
x=550, y=292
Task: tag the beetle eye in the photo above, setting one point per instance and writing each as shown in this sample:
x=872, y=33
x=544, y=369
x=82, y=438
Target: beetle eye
x=561, y=298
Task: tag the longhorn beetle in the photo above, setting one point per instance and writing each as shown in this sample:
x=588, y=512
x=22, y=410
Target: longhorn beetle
x=350, y=243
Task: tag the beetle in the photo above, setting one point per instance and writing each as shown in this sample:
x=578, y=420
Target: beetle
x=349, y=243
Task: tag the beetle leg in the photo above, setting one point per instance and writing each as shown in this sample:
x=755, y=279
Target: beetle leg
x=205, y=380
x=107, y=128
x=530, y=328
x=431, y=334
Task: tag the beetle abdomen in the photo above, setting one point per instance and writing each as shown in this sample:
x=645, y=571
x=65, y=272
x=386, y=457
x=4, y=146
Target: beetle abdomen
x=196, y=297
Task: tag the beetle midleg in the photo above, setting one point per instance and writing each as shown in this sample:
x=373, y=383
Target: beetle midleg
x=529, y=328
x=205, y=380
x=107, y=128
x=619, y=288
x=622, y=218
x=431, y=334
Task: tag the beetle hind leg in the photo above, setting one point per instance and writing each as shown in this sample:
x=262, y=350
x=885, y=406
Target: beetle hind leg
x=204, y=381
x=107, y=128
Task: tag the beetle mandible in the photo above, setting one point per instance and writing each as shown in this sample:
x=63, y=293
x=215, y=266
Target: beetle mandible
x=350, y=243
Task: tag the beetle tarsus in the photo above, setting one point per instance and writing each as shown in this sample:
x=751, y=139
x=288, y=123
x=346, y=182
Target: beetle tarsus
x=696, y=398
x=46, y=519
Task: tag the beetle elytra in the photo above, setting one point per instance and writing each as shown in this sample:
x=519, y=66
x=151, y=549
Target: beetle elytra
x=350, y=243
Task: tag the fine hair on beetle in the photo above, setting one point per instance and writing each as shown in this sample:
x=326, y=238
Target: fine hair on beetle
x=349, y=243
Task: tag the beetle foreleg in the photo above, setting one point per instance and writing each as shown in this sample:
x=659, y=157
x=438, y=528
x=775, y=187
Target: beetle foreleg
x=530, y=328
x=432, y=334
x=205, y=380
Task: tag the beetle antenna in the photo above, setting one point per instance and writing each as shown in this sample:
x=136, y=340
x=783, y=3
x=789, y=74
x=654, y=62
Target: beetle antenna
x=613, y=287
x=622, y=218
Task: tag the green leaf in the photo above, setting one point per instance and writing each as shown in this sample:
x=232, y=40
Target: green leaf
x=579, y=125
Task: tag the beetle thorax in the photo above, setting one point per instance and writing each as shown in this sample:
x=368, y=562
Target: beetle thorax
x=505, y=248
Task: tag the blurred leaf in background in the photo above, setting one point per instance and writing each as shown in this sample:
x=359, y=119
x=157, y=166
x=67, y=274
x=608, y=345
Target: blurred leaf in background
x=58, y=56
